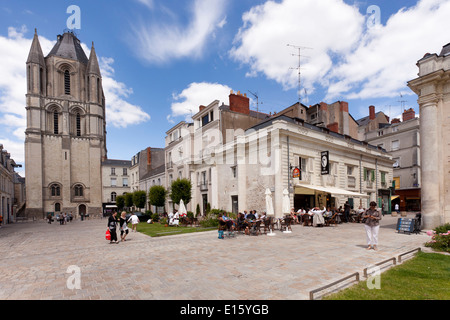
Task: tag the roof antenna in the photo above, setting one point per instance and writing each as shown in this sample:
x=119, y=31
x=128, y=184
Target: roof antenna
x=299, y=55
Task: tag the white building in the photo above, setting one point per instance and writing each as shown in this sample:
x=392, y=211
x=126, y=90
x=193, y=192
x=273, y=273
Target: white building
x=115, y=182
x=7, y=178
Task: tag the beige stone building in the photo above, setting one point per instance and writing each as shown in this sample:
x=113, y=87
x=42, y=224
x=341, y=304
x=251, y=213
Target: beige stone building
x=65, y=136
x=401, y=139
x=433, y=89
x=266, y=155
x=8, y=204
x=115, y=182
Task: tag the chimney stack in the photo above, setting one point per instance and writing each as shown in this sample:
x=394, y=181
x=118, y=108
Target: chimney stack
x=372, y=112
x=239, y=102
x=409, y=114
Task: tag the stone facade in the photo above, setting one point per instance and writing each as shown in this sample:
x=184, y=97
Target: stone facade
x=433, y=89
x=66, y=132
x=115, y=181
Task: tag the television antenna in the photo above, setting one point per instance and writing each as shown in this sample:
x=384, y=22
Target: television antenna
x=299, y=55
x=257, y=99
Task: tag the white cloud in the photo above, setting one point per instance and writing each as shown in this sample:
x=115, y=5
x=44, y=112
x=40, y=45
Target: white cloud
x=386, y=56
x=159, y=42
x=347, y=59
x=148, y=3
x=196, y=94
x=329, y=27
x=14, y=49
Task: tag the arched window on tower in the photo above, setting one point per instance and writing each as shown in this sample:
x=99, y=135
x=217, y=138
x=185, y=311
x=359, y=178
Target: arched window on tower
x=78, y=190
x=66, y=82
x=78, y=124
x=55, y=122
x=56, y=190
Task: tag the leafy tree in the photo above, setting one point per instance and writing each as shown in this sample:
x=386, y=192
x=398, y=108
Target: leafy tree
x=120, y=202
x=157, y=196
x=139, y=198
x=128, y=200
x=181, y=189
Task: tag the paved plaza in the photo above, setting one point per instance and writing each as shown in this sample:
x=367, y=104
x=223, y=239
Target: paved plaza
x=38, y=259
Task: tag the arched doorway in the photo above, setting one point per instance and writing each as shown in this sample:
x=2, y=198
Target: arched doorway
x=82, y=211
x=57, y=207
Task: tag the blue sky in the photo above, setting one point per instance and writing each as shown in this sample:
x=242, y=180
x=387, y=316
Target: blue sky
x=160, y=59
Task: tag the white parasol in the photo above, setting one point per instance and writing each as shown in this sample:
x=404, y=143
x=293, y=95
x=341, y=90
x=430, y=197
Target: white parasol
x=286, y=205
x=286, y=202
x=269, y=208
x=182, y=209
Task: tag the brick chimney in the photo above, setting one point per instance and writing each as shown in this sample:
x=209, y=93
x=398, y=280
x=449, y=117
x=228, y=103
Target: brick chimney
x=372, y=113
x=239, y=103
x=396, y=120
x=409, y=114
x=200, y=108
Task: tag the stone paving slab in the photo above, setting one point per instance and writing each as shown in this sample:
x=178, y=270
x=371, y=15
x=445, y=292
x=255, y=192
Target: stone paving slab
x=36, y=257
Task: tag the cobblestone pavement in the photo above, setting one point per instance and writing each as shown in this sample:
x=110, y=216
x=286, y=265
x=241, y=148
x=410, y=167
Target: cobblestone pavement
x=36, y=256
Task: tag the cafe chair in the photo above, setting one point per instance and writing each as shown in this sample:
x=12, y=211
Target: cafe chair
x=286, y=223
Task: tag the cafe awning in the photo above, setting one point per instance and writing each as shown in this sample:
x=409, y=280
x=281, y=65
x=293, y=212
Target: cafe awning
x=394, y=197
x=333, y=190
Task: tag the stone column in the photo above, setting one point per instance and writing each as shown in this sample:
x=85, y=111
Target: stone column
x=429, y=153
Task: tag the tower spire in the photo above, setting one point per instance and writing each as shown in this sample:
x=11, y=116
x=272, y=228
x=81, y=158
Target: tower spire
x=93, y=66
x=36, y=55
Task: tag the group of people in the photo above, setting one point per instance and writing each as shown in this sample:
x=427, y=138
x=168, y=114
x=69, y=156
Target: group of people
x=245, y=221
x=62, y=218
x=370, y=218
x=123, y=225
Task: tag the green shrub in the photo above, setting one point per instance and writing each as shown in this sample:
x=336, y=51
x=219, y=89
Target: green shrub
x=155, y=217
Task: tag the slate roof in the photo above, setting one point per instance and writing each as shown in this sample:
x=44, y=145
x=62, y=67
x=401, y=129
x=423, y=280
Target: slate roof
x=68, y=46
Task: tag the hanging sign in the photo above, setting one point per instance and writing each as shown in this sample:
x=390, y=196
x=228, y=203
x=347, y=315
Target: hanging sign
x=324, y=162
x=296, y=173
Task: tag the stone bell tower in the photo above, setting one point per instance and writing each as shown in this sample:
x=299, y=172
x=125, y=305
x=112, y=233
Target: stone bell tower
x=433, y=88
x=65, y=138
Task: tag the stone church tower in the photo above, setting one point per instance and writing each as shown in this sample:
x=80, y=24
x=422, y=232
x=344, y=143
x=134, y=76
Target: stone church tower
x=66, y=131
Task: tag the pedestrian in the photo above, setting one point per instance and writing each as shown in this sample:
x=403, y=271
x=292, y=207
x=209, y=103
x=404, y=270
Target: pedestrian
x=134, y=221
x=123, y=226
x=49, y=218
x=371, y=220
x=397, y=208
x=112, y=224
x=347, y=211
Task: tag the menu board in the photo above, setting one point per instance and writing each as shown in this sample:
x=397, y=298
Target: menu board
x=406, y=225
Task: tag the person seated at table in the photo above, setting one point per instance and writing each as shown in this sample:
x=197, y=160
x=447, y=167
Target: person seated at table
x=262, y=216
x=251, y=216
x=294, y=215
x=241, y=222
x=318, y=216
x=228, y=221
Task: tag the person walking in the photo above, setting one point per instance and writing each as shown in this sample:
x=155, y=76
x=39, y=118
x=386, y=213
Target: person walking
x=371, y=219
x=123, y=226
x=112, y=224
x=134, y=222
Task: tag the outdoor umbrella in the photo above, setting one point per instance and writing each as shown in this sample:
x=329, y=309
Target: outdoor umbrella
x=286, y=206
x=182, y=209
x=269, y=203
x=286, y=202
x=269, y=208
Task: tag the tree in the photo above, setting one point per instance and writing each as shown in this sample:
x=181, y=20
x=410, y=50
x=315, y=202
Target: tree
x=139, y=198
x=120, y=202
x=181, y=189
x=128, y=200
x=157, y=196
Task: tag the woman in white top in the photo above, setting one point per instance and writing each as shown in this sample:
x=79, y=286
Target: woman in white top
x=134, y=222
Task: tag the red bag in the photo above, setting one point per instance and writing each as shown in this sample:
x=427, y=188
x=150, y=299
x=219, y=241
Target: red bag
x=108, y=235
